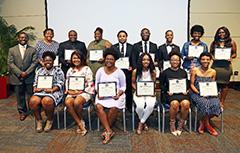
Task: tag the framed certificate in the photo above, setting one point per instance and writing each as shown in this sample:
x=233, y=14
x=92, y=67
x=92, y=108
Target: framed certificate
x=107, y=89
x=67, y=54
x=208, y=89
x=177, y=85
x=145, y=88
x=122, y=63
x=95, y=55
x=166, y=64
x=195, y=51
x=223, y=53
x=45, y=81
x=56, y=61
x=76, y=83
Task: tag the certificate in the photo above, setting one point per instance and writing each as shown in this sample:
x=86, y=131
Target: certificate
x=195, y=51
x=223, y=53
x=177, y=85
x=145, y=88
x=56, y=61
x=157, y=72
x=107, y=89
x=208, y=89
x=45, y=81
x=166, y=64
x=67, y=54
x=122, y=63
x=95, y=55
x=76, y=83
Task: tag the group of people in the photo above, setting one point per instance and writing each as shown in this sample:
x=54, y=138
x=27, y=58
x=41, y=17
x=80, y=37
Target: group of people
x=27, y=64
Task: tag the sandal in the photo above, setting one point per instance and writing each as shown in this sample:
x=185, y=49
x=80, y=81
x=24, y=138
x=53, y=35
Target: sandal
x=81, y=129
x=39, y=128
x=145, y=127
x=108, y=136
x=48, y=126
x=140, y=128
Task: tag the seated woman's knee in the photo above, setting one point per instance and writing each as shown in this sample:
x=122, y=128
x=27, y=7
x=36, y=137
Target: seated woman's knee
x=69, y=102
x=99, y=107
x=47, y=102
x=174, y=105
x=34, y=102
x=185, y=104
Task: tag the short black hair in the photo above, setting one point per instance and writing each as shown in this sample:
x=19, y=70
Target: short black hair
x=175, y=53
x=121, y=32
x=208, y=54
x=50, y=54
x=99, y=30
x=48, y=29
x=22, y=32
x=110, y=51
x=81, y=56
x=197, y=28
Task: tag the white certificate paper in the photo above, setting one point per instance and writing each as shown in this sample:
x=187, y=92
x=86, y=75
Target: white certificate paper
x=145, y=88
x=45, y=81
x=67, y=54
x=166, y=64
x=157, y=72
x=208, y=89
x=122, y=63
x=95, y=55
x=223, y=53
x=195, y=51
x=107, y=89
x=56, y=61
x=76, y=83
x=177, y=85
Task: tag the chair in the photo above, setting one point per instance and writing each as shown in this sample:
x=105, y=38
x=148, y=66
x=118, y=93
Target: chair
x=196, y=115
x=86, y=106
x=124, y=120
x=165, y=108
x=156, y=108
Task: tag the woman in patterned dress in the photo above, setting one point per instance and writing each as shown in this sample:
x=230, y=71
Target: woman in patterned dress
x=47, y=44
x=47, y=98
x=209, y=106
x=76, y=99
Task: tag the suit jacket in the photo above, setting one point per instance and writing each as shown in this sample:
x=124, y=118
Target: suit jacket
x=162, y=53
x=70, y=45
x=128, y=50
x=17, y=65
x=137, y=48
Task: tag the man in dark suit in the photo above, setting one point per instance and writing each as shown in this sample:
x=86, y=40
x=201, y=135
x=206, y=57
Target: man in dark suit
x=22, y=63
x=165, y=49
x=69, y=45
x=143, y=46
x=124, y=49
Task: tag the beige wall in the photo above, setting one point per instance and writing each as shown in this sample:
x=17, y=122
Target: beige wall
x=215, y=13
x=209, y=13
x=24, y=13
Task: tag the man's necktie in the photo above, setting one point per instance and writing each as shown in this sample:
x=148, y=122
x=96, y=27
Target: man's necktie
x=122, y=50
x=145, y=47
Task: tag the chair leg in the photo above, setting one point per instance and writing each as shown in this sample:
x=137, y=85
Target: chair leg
x=190, y=120
x=124, y=119
x=222, y=122
x=58, y=120
x=163, y=119
x=98, y=124
x=65, y=117
x=195, y=120
x=158, y=110
x=133, y=120
x=89, y=118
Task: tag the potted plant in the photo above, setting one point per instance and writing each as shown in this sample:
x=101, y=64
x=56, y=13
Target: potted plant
x=8, y=35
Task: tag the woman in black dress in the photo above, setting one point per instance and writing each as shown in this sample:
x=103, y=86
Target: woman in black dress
x=175, y=100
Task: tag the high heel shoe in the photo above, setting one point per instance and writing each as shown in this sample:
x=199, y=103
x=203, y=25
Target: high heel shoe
x=180, y=126
x=108, y=135
x=48, y=126
x=140, y=128
x=81, y=129
x=145, y=127
x=201, y=127
x=211, y=130
x=172, y=127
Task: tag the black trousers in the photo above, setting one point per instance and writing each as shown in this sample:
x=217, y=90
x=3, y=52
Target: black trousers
x=23, y=94
x=128, y=91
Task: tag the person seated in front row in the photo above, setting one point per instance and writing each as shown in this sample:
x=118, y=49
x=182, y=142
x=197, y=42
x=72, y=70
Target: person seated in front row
x=145, y=71
x=48, y=98
x=179, y=99
x=76, y=98
x=109, y=73
x=208, y=106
